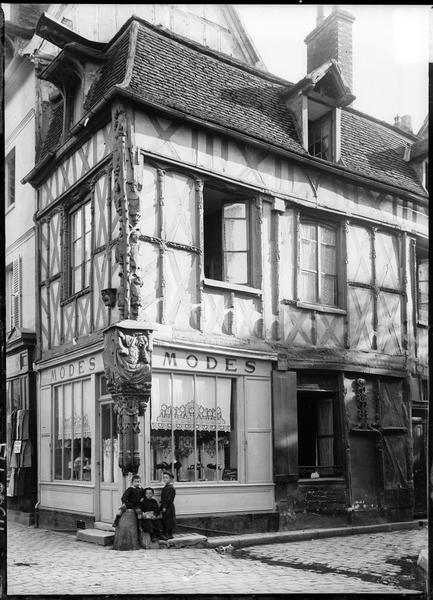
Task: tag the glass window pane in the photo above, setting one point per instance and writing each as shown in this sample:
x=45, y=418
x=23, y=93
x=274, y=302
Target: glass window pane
x=107, y=444
x=328, y=236
x=87, y=217
x=235, y=234
x=309, y=255
x=76, y=225
x=87, y=244
x=236, y=210
x=77, y=253
x=236, y=267
x=86, y=273
x=329, y=291
x=87, y=422
x=77, y=431
x=308, y=231
x=58, y=432
x=76, y=280
x=328, y=260
x=67, y=433
x=307, y=287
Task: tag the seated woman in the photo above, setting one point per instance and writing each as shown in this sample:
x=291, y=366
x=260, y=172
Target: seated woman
x=150, y=522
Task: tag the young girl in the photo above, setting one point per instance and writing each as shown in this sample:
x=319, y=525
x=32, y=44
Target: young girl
x=168, y=512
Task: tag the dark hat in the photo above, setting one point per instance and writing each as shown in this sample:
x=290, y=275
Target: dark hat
x=149, y=488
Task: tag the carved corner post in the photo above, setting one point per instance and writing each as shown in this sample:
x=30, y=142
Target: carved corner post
x=128, y=368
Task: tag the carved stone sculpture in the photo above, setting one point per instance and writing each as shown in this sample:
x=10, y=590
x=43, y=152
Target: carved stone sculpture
x=127, y=363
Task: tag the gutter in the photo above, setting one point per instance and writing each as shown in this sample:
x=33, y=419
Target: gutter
x=306, y=159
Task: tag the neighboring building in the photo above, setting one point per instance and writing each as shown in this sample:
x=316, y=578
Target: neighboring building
x=272, y=238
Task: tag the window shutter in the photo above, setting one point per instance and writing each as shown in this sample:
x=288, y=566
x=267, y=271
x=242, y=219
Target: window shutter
x=285, y=419
x=16, y=304
x=235, y=242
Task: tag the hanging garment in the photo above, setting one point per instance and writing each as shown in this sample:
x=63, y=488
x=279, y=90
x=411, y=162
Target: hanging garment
x=26, y=454
x=15, y=458
x=22, y=425
x=12, y=482
x=13, y=426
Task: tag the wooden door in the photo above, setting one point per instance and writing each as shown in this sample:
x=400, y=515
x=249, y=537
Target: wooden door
x=110, y=477
x=419, y=437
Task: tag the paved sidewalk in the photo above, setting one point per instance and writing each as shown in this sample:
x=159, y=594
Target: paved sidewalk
x=45, y=562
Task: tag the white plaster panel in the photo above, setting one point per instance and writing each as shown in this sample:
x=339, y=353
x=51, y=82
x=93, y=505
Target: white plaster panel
x=67, y=497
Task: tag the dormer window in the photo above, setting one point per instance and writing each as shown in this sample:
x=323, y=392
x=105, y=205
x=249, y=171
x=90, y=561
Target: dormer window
x=320, y=138
x=73, y=102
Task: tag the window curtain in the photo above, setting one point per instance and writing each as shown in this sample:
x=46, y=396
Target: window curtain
x=184, y=403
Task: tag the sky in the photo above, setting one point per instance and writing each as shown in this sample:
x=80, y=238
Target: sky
x=390, y=52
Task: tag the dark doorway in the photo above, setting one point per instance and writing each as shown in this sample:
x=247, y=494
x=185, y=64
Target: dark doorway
x=419, y=436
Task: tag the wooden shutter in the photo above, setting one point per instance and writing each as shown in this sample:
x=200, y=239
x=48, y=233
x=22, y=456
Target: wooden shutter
x=16, y=296
x=285, y=420
x=235, y=242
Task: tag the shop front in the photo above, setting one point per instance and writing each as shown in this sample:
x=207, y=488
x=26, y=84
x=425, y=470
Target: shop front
x=209, y=421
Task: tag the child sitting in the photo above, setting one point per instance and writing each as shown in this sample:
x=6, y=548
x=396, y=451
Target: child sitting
x=150, y=522
x=131, y=499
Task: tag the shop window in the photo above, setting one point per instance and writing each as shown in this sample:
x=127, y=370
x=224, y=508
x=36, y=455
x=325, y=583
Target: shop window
x=320, y=138
x=73, y=431
x=10, y=178
x=422, y=295
x=317, y=435
x=81, y=231
x=193, y=428
x=317, y=277
x=226, y=238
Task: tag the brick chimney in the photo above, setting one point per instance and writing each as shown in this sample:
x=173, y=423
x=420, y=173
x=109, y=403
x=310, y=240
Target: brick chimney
x=404, y=123
x=332, y=38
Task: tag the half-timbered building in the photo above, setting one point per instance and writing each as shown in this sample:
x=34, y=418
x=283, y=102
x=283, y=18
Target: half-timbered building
x=231, y=285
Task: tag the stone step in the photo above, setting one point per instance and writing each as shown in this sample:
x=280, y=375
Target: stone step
x=184, y=540
x=103, y=526
x=95, y=536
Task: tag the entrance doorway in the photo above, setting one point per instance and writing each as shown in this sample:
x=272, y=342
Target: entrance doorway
x=419, y=436
x=109, y=472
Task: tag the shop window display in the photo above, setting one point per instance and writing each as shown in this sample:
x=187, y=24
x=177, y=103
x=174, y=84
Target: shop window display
x=193, y=427
x=73, y=431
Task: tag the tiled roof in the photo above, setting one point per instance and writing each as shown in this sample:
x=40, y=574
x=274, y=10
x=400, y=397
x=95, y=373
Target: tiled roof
x=54, y=131
x=171, y=72
x=376, y=151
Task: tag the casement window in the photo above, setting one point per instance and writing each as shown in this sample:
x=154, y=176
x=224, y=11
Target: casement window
x=317, y=272
x=193, y=427
x=307, y=427
x=422, y=290
x=74, y=101
x=227, y=238
x=10, y=178
x=317, y=448
x=80, y=252
x=320, y=138
x=73, y=431
x=14, y=295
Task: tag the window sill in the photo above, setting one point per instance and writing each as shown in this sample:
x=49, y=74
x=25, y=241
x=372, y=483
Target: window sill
x=232, y=287
x=321, y=480
x=83, y=292
x=422, y=324
x=315, y=307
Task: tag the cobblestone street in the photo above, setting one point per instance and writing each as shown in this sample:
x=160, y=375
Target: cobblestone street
x=46, y=562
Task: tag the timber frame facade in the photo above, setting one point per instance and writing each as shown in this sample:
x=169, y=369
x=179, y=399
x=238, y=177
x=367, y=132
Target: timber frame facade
x=306, y=325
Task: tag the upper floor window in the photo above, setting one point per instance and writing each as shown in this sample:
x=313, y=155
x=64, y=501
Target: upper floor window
x=422, y=295
x=320, y=138
x=317, y=282
x=81, y=232
x=10, y=178
x=227, y=238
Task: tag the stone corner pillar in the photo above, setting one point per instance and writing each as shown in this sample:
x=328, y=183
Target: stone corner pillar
x=127, y=360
